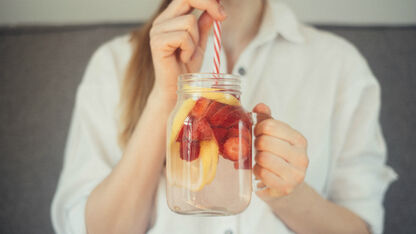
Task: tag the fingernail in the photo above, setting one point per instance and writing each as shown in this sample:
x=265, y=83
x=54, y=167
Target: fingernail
x=222, y=10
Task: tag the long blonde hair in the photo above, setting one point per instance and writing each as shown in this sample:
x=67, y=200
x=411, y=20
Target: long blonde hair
x=139, y=79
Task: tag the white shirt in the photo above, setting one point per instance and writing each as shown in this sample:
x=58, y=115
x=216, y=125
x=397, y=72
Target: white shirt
x=313, y=80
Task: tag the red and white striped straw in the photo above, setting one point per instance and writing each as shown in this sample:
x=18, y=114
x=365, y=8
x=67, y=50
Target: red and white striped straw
x=217, y=46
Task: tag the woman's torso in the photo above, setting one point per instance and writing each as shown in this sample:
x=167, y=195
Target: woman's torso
x=300, y=85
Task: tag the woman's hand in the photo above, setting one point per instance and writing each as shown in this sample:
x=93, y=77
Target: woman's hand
x=281, y=164
x=281, y=159
x=178, y=40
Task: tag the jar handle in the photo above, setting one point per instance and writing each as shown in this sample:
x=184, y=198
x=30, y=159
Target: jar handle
x=255, y=181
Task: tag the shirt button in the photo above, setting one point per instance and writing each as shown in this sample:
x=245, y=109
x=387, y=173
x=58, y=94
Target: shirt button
x=228, y=232
x=242, y=71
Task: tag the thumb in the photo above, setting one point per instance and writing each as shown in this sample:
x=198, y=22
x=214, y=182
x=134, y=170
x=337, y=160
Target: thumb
x=263, y=112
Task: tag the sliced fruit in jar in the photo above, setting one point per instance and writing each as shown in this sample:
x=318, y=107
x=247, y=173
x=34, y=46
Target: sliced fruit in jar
x=213, y=108
x=232, y=118
x=201, y=107
x=180, y=117
x=189, y=150
x=220, y=135
x=204, y=130
x=236, y=131
x=195, y=174
x=182, y=173
x=221, y=115
x=215, y=94
x=222, y=97
x=236, y=148
x=195, y=130
x=229, y=116
x=209, y=157
x=189, y=130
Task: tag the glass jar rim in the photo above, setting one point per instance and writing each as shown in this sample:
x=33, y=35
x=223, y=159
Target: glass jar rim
x=207, y=75
x=215, y=82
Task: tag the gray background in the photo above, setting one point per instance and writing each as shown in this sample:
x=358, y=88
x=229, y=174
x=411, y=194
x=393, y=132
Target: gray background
x=351, y=12
x=41, y=67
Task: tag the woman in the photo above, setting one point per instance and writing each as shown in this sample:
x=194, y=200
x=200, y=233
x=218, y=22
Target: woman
x=322, y=156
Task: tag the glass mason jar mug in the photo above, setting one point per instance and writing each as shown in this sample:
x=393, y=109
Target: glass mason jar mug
x=209, y=147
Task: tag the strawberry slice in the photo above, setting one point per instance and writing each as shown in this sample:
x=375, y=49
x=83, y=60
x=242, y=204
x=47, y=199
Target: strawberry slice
x=229, y=116
x=232, y=118
x=244, y=116
x=220, y=135
x=233, y=132
x=204, y=130
x=201, y=107
x=221, y=115
x=189, y=150
x=236, y=131
x=213, y=108
x=233, y=146
x=195, y=129
x=189, y=130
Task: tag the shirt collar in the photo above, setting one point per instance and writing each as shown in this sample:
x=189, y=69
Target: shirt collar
x=279, y=19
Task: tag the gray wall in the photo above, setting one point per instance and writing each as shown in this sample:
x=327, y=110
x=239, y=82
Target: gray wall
x=40, y=69
x=352, y=12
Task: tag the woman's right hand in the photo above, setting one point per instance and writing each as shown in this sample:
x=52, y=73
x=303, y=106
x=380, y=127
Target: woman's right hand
x=178, y=40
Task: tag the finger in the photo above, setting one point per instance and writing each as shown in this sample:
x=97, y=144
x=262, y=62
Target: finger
x=204, y=24
x=180, y=7
x=293, y=155
x=271, y=180
x=274, y=163
x=168, y=43
x=182, y=23
x=280, y=130
x=270, y=193
x=263, y=112
x=280, y=167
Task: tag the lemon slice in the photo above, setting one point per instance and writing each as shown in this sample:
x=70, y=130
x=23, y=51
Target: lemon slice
x=180, y=117
x=211, y=93
x=209, y=156
x=223, y=98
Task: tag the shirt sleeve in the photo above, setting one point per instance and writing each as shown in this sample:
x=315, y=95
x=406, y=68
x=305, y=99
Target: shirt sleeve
x=360, y=176
x=91, y=149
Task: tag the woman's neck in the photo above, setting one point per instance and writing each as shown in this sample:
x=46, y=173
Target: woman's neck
x=240, y=27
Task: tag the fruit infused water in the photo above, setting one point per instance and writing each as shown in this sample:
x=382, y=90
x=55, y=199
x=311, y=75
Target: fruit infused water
x=209, y=147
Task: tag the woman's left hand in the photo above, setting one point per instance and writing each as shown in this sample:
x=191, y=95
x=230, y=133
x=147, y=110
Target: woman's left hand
x=281, y=159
